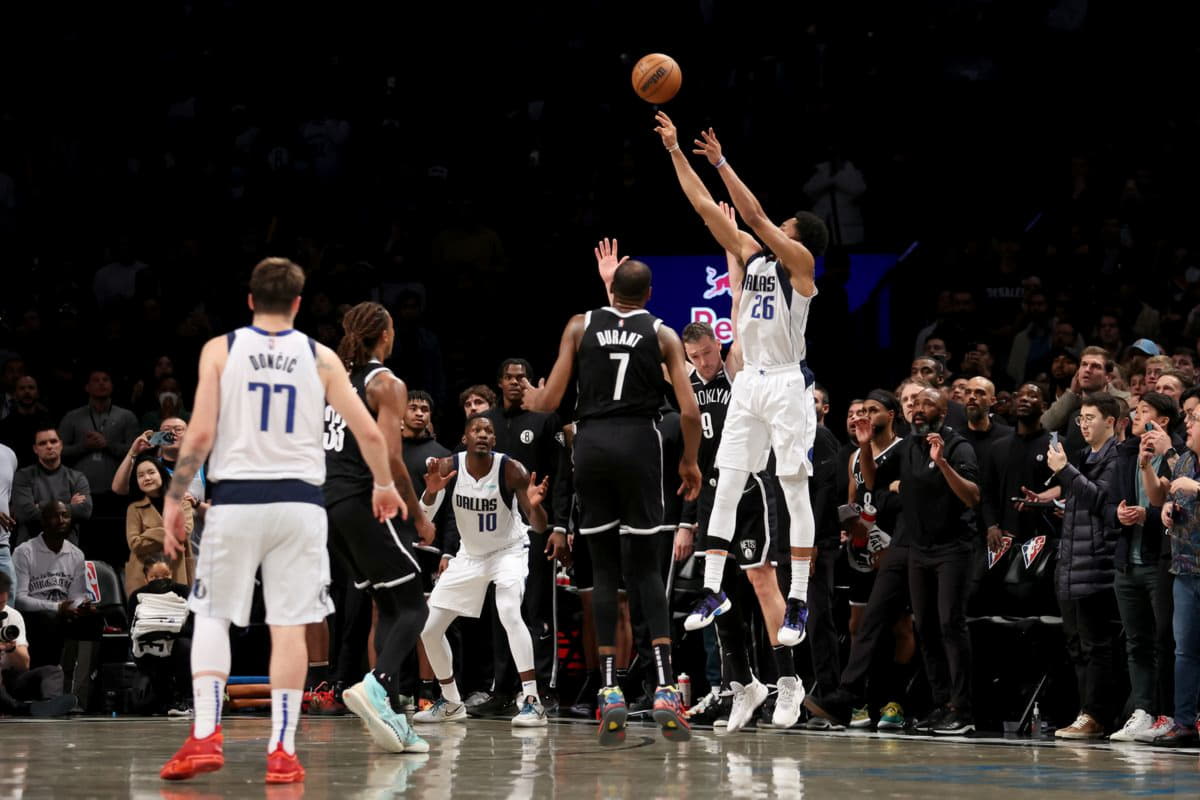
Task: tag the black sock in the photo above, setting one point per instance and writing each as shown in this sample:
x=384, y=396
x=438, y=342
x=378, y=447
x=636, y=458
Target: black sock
x=608, y=669
x=785, y=665
x=318, y=673
x=662, y=662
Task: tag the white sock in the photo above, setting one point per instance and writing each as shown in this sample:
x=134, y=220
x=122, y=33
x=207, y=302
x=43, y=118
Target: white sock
x=285, y=717
x=450, y=692
x=714, y=570
x=208, y=693
x=529, y=688
x=800, y=570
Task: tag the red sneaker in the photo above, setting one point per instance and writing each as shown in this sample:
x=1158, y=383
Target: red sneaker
x=283, y=767
x=196, y=756
x=322, y=699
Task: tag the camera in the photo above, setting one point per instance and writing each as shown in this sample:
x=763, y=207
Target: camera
x=161, y=438
x=8, y=633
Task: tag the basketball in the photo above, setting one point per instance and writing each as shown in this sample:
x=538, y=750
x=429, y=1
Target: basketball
x=656, y=78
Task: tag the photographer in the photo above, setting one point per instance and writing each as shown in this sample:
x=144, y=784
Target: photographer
x=34, y=692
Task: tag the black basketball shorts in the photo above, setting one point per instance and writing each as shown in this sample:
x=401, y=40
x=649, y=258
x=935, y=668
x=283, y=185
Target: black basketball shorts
x=377, y=554
x=618, y=475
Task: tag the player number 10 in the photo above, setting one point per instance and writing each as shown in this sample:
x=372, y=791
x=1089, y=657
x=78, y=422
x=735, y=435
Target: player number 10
x=487, y=522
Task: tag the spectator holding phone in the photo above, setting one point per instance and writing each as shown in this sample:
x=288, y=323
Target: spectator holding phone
x=144, y=529
x=163, y=445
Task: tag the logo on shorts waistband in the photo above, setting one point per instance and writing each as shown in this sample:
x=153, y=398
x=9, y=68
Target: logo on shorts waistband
x=749, y=547
x=199, y=590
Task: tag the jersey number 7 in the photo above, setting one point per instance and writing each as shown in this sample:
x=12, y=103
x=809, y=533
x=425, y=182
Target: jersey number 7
x=267, y=391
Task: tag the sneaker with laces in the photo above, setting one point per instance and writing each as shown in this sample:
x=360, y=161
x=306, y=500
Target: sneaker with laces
x=710, y=606
x=612, y=713
x=795, y=618
x=823, y=724
x=369, y=701
x=497, y=705
x=955, y=722
x=668, y=713
x=442, y=710
x=860, y=718
x=196, y=756
x=746, y=700
x=1084, y=727
x=1172, y=734
x=1138, y=721
x=931, y=721
x=710, y=708
x=531, y=715
x=1161, y=724
x=891, y=717
x=283, y=767
x=323, y=700
x=835, y=707
x=180, y=708
x=787, y=702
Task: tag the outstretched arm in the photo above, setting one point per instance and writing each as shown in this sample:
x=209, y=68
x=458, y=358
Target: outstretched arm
x=607, y=262
x=723, y=229
x=792, y=254
x=547, y=395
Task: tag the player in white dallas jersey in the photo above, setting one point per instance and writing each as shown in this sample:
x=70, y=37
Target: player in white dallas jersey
x=260, y=411
x=772, y=402
x=485, y=490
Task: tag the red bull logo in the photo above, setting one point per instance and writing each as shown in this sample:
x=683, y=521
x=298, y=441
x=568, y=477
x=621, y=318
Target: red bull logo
x=717, y=284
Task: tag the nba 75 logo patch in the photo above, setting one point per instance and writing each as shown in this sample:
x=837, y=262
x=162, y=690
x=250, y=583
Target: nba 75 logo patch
x=1032, y=549
x=995, y=555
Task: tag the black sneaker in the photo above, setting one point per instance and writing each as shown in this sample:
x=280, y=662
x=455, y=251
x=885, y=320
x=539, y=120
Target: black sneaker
x=954, y=723
x=498, y=705
x=712, y=707
x=836, y=706
x=931, y=720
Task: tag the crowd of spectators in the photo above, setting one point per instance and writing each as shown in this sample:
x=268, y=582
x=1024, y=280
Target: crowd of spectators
x=135, y=197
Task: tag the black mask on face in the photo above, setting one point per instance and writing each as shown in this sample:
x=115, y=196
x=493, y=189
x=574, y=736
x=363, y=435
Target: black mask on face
x=159, y=586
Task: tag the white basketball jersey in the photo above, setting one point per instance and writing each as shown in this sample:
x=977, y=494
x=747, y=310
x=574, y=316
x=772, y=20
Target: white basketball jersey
x=772, y=316
x=272, y=415
x=485, y=510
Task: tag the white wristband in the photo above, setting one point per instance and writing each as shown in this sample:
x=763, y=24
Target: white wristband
x=673, y=149
x=720, y=163
x=379, y=488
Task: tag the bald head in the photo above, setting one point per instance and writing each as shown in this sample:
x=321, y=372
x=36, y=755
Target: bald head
x=631, y=283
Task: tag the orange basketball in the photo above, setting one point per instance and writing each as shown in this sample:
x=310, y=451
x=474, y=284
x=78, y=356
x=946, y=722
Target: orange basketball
x=656, y=78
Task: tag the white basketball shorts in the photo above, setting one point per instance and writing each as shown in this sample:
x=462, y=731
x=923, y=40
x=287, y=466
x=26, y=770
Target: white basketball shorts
x=464, y=583
x=770, y=408
x=287, y=540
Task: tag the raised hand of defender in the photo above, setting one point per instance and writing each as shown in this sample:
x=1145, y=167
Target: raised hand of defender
x=607, y=261
x=666, y=129
x=537, y=491
x=435, y=481
x=708, y=146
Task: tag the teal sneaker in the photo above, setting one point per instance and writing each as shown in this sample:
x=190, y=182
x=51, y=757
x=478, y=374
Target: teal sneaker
x=891, y=717
x=368, y=699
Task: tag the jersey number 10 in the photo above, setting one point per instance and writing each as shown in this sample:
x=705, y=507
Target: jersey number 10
x=487, y=522
x=267, y=391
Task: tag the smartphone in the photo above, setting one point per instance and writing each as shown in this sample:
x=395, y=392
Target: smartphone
x=1149, y=426
x=161, y=438
x=1054, y=438
x=1033, y=504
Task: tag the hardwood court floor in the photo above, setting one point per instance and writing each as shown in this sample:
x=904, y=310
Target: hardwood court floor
x=104, y=758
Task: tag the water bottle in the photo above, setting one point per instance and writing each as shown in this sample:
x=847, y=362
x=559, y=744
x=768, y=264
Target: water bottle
x=1035, y=722
x=685, y=689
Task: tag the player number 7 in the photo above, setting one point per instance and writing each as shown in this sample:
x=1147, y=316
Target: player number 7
x=622, y=360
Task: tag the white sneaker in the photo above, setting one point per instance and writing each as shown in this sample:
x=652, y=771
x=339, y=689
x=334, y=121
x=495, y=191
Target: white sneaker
x=746, y=700
x=1139, y=721
x=531, y=715
x=787, y=702
x=442, y=711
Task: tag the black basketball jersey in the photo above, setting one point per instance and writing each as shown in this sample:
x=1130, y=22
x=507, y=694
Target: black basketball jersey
x=346, y=473
x=713, y=399
x=619, y=365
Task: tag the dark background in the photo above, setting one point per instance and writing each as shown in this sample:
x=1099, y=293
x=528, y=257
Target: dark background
x=475, y=153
